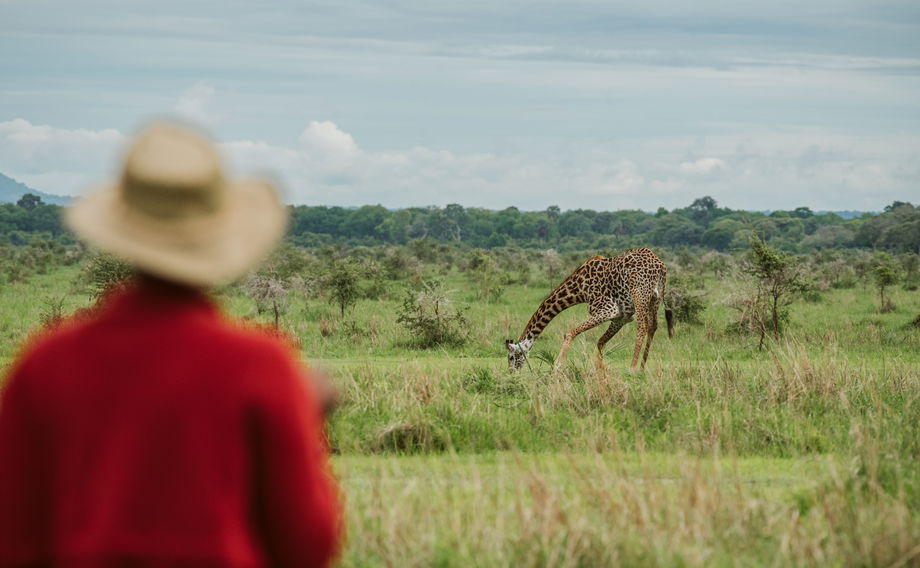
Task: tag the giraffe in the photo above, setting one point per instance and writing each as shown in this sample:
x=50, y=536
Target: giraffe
x=615, y=289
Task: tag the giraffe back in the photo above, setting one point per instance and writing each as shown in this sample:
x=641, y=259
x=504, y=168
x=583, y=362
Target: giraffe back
x=633, y=280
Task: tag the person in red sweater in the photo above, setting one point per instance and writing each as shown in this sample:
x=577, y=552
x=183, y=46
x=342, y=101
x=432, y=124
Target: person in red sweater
x=155, y=432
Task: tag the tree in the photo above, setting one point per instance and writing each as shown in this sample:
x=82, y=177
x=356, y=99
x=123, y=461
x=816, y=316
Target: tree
x=575, y=224
x=703, y=209
x=829, y=236
x=365, y=221
x=431, y=319
x=779, y=277
x=342, y=278
x=29, y=201
x=719, y=236
x=673, y=229
x=885, y=274
x=802, y=212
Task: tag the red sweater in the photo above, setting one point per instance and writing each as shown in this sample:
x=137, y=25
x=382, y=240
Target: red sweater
x=156, y=434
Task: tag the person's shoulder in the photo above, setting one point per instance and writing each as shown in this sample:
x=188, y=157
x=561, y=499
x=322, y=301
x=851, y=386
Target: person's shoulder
x=249, y=335
x=244, y=345
x=261, y=360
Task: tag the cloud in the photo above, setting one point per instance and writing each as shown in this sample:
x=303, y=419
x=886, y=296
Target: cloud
x=326, y=165
x=326, y=141
x=56, y=159
x=195, y=103
x=703, y=166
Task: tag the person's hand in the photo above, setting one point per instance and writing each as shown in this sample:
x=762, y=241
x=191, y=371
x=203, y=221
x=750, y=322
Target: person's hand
x=326, y=393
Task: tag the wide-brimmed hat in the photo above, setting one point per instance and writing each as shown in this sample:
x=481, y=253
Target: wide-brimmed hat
x=174, y=214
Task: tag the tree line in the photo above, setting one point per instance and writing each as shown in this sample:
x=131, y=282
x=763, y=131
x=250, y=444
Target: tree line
x=702, y=224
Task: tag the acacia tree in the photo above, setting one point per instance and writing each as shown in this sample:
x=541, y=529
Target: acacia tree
x=342, y=280
x=779, y=278
x=885, y=274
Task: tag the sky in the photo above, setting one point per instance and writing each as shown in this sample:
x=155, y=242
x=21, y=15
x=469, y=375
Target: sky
x=591, y=104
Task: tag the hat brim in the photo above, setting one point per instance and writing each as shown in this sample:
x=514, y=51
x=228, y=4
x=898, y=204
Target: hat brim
x=204, y=250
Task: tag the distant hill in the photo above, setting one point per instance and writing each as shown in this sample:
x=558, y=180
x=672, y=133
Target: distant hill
x=11, y=190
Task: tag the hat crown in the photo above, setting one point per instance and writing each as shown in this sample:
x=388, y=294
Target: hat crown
x=172, y=173
x=175, y=214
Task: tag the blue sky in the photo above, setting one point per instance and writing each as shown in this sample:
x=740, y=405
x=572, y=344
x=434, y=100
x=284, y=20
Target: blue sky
x=581, y=104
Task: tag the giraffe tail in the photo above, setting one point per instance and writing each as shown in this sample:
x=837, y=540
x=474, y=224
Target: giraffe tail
x=668, y=312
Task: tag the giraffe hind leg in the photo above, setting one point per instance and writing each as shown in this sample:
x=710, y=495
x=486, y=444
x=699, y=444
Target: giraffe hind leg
x=650, y=333
x=640, y=338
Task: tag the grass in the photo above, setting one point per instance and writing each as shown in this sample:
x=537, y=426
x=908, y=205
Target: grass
x=630, y=509
x=804, y=453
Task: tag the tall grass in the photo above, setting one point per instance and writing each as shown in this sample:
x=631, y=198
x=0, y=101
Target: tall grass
x=791, y=405
x=621, y=509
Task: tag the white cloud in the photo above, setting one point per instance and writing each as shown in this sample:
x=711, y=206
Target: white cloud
x=703, y=166
x=56, y=159
x=327, y=141
x=195, y=104
x=326, y=165
x=609, y=180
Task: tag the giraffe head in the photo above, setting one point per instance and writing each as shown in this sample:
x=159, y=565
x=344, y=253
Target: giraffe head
x=517, y=352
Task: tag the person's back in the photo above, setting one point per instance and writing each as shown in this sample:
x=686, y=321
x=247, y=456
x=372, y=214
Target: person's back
x=156, y=433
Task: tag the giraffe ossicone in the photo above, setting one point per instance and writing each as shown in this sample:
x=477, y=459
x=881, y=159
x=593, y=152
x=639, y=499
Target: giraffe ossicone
x=616, y=290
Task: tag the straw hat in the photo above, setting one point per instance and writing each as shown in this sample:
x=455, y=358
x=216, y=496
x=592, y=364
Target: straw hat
x=175, y=215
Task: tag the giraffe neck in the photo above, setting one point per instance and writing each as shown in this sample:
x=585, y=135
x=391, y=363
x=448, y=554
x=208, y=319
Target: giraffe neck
x=563, y=297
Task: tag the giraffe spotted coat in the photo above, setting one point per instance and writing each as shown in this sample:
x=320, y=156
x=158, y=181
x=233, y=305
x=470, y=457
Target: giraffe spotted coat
x=629, y=285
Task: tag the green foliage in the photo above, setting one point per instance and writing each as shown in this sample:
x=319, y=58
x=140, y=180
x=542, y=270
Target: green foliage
x=778, y=278
x=703, y=223
x=897, y=229
x=106, y=273
x=36, y=254
x=488, y=280
x=885, y=274
x=910, y=264
x=53, y=311
x=342, y=279
x=687, y=303
x=431, y=319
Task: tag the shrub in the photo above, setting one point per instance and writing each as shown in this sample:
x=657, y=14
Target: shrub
x=53, y=311
x=341, y=280
x=885, y=274
x=430, y=317
x=414, y=436
x=686, y=305
x=778, y=277
x=107, y=273
x=484, y=273
x=269, y=292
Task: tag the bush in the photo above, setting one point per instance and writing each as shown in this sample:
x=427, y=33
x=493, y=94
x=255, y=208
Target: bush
x=416, y=436
x=686, y=305
x=341, y=281
x=107, y=273
x=885, y=273
x=269, y=292
x=431, y=319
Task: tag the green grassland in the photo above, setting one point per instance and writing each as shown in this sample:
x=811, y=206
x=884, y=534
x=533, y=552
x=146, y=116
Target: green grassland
x=804, y=452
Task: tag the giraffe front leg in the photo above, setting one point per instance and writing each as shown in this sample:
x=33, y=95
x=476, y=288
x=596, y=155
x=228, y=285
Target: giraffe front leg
x=562, y=352
x=593, y=321
x=615, y=326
